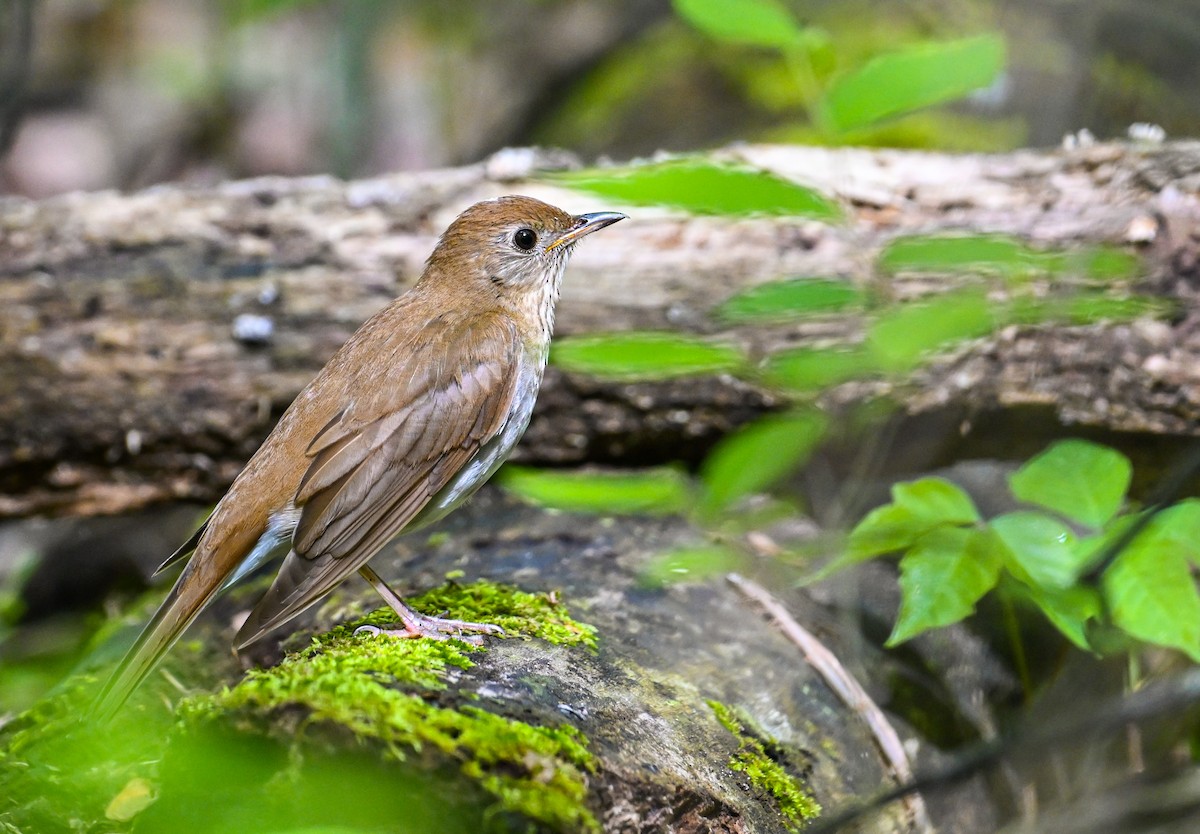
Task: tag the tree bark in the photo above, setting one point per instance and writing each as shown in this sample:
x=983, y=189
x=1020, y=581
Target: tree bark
x=127, y=375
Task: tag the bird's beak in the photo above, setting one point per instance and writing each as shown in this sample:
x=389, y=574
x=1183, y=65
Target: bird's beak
x=585, y=224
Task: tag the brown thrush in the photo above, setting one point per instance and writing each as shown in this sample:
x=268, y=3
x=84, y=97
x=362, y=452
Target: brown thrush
x=407, y=419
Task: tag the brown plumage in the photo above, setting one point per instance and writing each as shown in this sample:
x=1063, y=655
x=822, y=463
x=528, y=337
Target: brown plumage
x=408, y=418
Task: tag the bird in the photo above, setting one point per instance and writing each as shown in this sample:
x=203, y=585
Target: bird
x=418, y=408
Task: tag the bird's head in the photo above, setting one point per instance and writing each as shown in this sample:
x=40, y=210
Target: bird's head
x=512, y=249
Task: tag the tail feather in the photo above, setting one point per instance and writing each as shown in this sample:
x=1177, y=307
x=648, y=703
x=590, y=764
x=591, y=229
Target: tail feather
x=186, y=549
x=182, y=605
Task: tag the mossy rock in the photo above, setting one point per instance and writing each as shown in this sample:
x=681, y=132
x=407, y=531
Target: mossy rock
x=609, y=705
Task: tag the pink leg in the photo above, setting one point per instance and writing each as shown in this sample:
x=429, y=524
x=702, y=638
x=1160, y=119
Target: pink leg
x=417, y=624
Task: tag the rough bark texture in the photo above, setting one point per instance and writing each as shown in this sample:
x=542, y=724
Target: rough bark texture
x=126, y=378
x=641, y=700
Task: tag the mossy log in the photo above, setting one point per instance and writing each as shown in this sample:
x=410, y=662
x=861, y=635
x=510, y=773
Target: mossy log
x=612, y=705
x=127, y=376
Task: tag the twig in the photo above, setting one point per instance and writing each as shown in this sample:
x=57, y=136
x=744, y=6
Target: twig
x=846, y=688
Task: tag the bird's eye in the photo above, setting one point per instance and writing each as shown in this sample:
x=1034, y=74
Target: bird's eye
x=525, y=240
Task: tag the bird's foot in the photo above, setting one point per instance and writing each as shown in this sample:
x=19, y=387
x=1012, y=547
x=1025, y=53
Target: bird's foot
x=416, y=624
x=436, y=628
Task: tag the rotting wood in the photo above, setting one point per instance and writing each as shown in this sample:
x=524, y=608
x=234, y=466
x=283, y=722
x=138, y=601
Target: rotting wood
x=123, y=380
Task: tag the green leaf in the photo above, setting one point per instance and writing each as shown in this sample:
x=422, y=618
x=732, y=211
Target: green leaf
x=917, y=507
x=806, y=370
x=1041, y=550
x=788, y=300
x=1084, y=481
x=951, y=254
x=1090, y=550
x=1087, y=308
x=1002, y=255
x=1069, y=610
x=752, y=22
x=1179, y=526
x=918, y=76
x=886, y=529
x=941, y=579
x=704, y=187
x=756, y=456
x=690, y=564
x=935, y=501
x=1152, y=596
x=1107, y=263
x=652, y=491
x=900, y=339
x=948, y=131
x=632, y=356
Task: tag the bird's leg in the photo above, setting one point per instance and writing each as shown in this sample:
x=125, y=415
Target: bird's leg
x=417, y=624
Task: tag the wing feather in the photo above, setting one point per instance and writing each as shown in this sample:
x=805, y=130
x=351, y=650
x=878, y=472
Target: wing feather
x=377, y=466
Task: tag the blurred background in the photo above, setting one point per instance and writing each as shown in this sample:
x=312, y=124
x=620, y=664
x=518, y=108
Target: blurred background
x=98, y=94
x=127, y=93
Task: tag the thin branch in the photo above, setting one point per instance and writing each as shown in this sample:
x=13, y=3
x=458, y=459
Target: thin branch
x=846, y=688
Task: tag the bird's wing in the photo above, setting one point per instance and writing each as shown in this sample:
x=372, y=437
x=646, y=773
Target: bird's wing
x=378, y=463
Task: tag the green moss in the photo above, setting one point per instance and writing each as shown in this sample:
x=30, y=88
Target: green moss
x=57, y=771
x=365, y=684
x=765, y=773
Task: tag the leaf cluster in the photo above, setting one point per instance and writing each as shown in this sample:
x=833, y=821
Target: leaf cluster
x=950, y=556
x=844, y=102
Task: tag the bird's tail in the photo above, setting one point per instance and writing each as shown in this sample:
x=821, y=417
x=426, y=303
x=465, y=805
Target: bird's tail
x=182, y=605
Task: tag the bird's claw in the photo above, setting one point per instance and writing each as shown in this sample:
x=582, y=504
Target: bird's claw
x=435, y=628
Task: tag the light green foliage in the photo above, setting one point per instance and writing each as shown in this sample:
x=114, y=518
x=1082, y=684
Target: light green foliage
x=1152, y=594
x=950, y=557
x=754, y=22
x=808, y=371
x=1070, y=610
x=765, y=773
x=999, y=281
x=796, y=298
x=934, y=501
x=891, y=84
x=917, y=507
x=987, y=253
x=951, y=132
x=915, y=76
x=1105, y=263
x=900, y=339
x=756, y=456
x=747, y=461
x=691, y=564
x=650, y=491
x=1178, y=526
x=1084, y=307
x=900, y=336
x=703, y=187
x=942, y=576
x=633, y=356
x=1040, y=550
x=1083, y=481
x=1005, y=256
